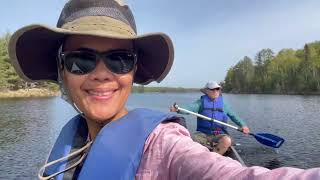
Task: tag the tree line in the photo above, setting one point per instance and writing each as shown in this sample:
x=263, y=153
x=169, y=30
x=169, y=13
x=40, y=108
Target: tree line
x=288, y=72
x=9, y=79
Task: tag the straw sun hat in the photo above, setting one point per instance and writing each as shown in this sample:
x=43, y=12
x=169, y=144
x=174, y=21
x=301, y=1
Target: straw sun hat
x=33, y=49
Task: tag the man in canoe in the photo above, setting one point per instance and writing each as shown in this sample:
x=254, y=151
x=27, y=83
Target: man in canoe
x=210, y=134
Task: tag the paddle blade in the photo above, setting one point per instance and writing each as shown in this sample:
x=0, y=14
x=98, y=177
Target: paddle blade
x=269, y=139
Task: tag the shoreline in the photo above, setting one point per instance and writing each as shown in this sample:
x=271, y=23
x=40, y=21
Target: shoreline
x=26, y=93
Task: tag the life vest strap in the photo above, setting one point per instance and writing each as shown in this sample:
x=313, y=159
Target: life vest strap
x=214, y=109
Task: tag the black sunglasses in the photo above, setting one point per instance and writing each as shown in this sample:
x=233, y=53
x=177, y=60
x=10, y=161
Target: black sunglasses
x=215, y=89
x=84, y=61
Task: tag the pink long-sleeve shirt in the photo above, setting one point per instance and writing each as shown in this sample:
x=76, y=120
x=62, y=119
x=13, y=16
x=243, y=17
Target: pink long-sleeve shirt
x=170, y=153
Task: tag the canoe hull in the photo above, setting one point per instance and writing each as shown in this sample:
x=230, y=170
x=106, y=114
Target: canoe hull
x=232, y=152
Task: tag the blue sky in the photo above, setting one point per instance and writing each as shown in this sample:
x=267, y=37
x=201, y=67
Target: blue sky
x=209, y=36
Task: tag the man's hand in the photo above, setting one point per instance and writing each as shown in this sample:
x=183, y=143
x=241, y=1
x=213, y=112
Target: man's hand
x=245, y=130
x=173, y=108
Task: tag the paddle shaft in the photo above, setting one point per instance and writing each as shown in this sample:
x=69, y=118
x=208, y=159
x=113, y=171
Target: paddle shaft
x=263, y=138
x=206, y=118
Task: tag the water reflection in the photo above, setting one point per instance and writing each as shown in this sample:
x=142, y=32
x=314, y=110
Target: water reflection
x=273, y=163
x=27, y=134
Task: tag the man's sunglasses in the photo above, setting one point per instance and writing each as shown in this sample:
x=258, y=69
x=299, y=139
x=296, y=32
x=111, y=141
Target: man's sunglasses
x=84, y=61
x=215, y=89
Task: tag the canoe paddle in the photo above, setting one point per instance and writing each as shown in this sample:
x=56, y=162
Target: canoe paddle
x=264, y=138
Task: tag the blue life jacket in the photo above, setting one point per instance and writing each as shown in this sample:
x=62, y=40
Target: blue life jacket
x=212, y=109
x=116, y=151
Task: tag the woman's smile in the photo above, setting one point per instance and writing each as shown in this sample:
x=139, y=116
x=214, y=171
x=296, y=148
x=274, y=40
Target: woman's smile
x=101, y=94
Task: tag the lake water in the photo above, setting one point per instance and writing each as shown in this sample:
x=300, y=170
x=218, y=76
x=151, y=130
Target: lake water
x=29, y=127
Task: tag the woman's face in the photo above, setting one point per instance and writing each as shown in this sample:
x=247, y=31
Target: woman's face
x=101, y=95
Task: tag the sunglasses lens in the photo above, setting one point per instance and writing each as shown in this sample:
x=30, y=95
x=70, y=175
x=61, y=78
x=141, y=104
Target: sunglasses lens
x=120, y=62
x=80, y=62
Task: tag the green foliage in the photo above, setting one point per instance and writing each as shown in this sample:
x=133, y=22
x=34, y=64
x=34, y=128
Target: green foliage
x=6, y=70
x=288, y=72
x=239, y=78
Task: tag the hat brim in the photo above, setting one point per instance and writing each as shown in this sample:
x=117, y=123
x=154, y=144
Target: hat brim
x=33, y=51
x=204, y=90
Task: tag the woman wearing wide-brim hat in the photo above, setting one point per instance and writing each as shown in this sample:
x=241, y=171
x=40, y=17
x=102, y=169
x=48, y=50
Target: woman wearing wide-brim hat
x=95, y=56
